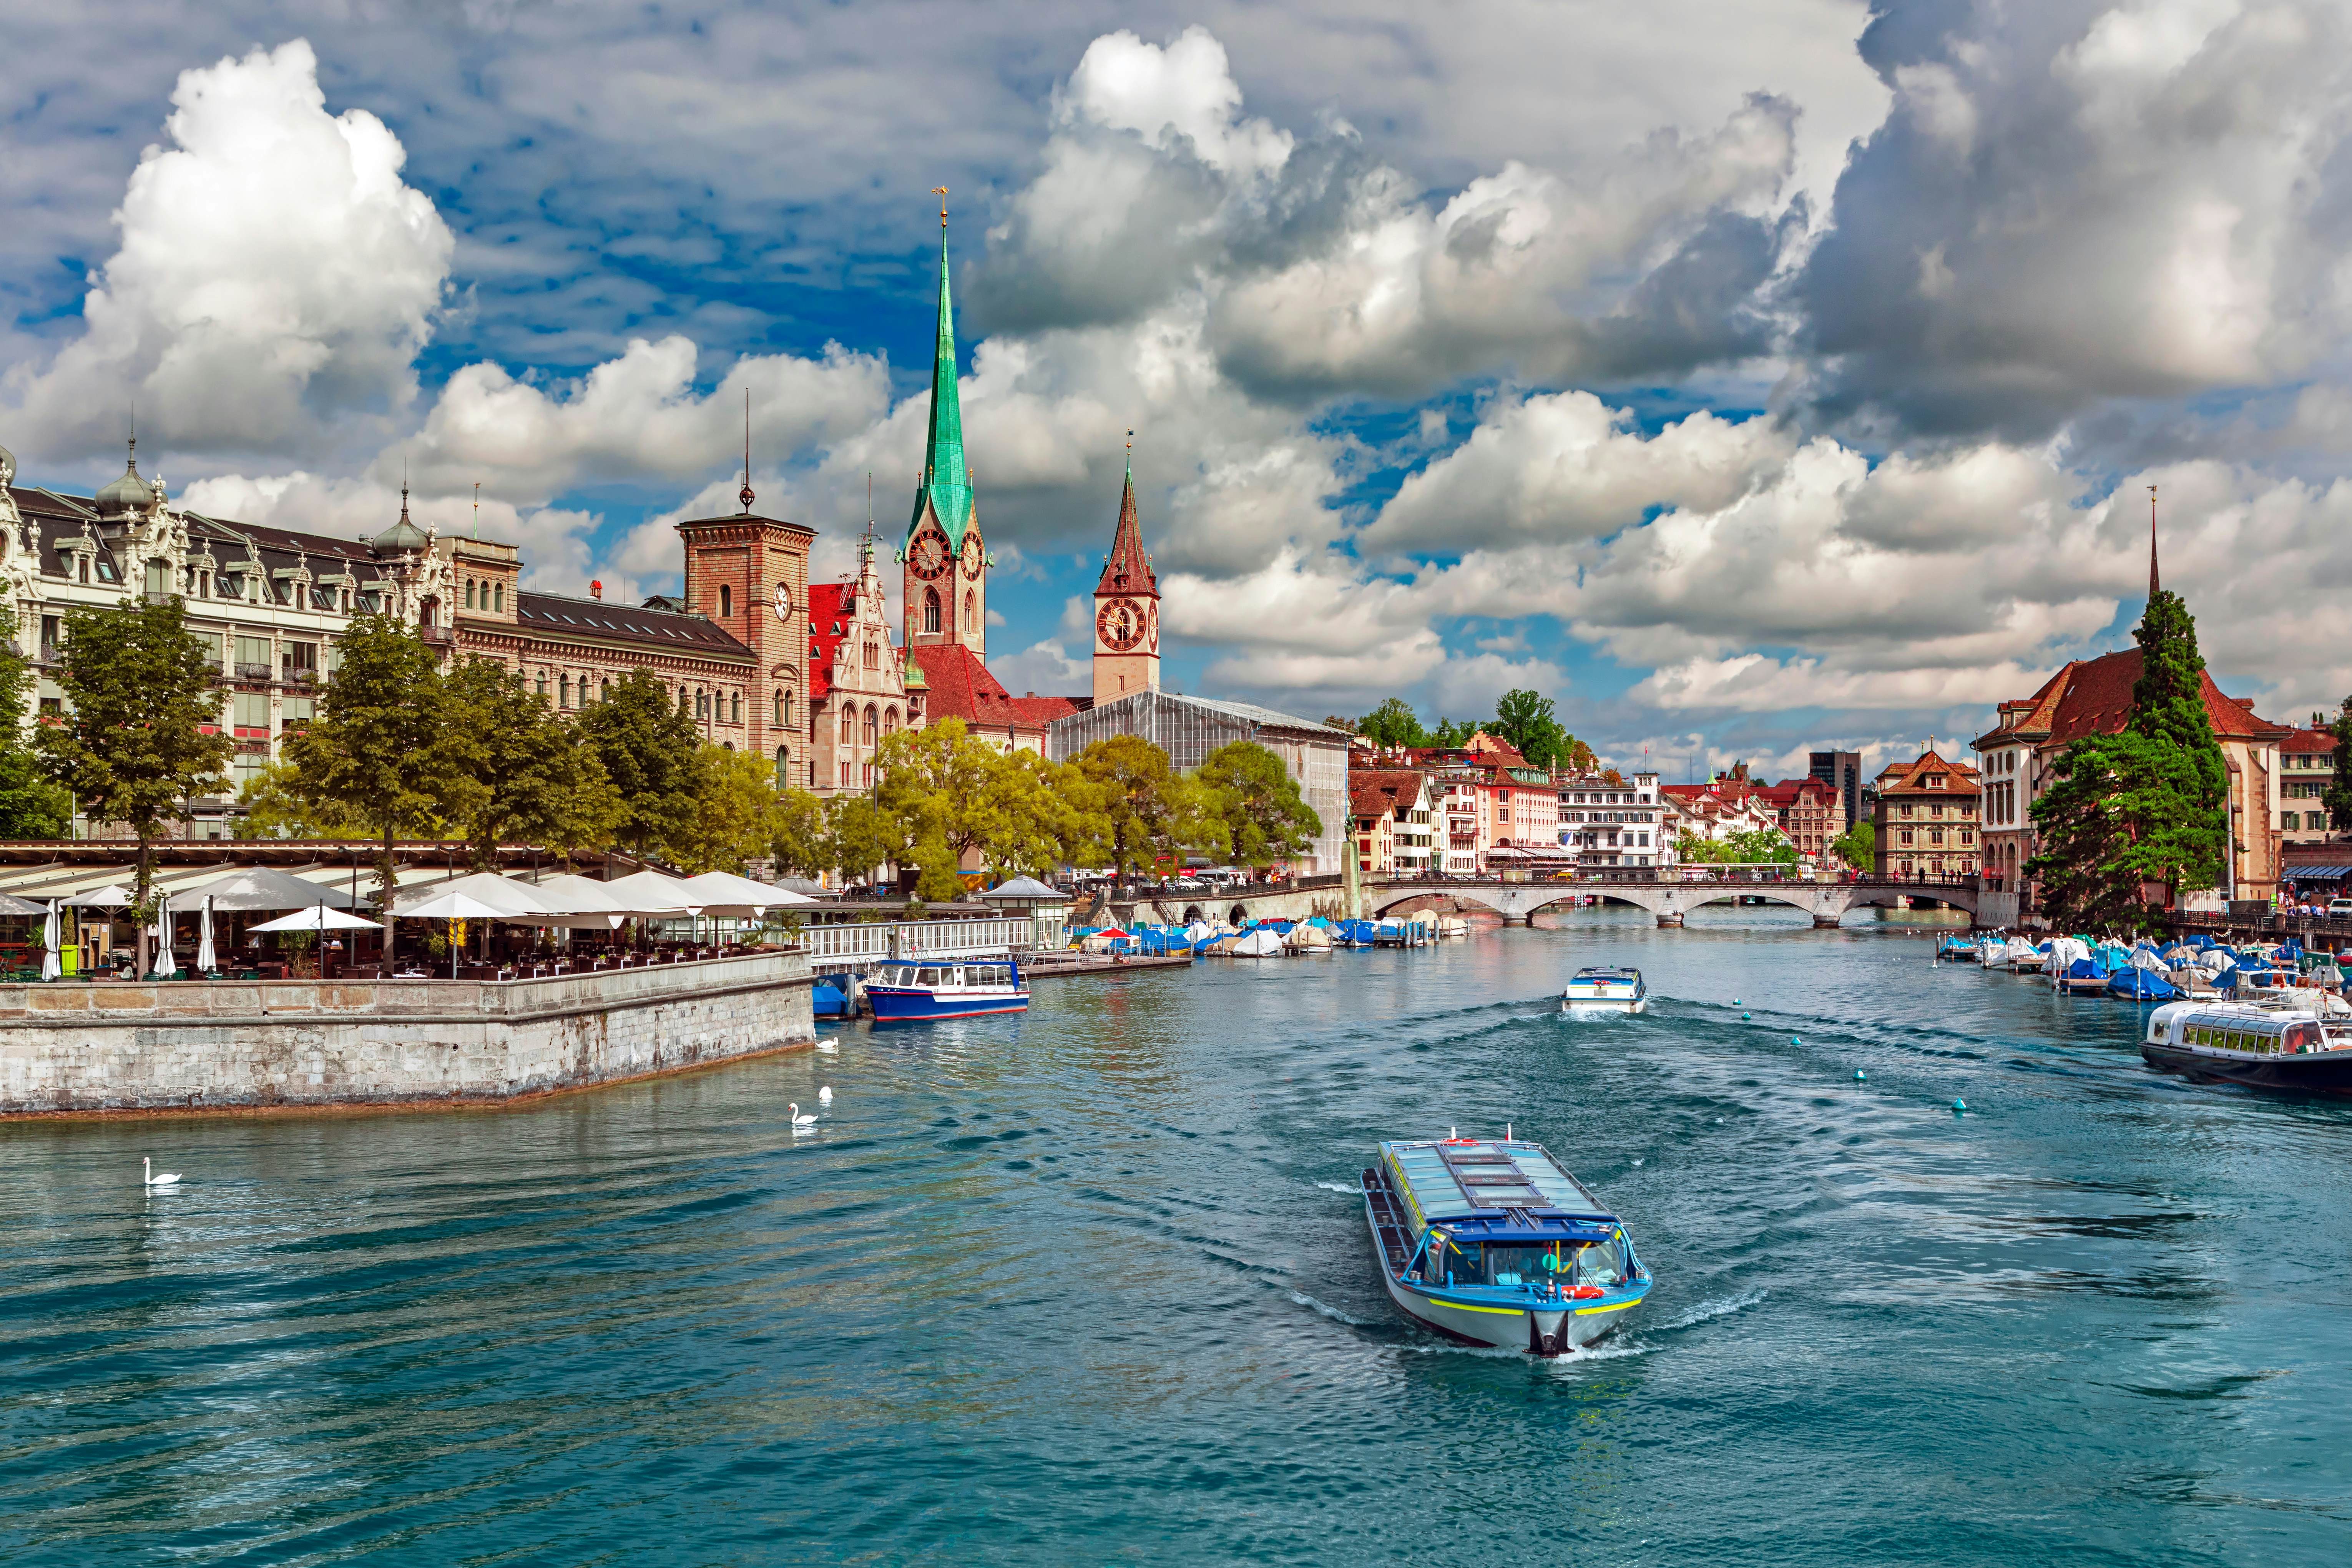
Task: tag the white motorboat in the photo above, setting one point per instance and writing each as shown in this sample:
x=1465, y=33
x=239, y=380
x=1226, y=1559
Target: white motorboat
x=1606, y=990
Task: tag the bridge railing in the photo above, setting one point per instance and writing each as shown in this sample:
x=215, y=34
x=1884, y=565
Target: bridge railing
x=1703, y=874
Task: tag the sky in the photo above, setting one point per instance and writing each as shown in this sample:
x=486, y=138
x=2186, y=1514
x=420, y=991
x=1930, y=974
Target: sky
x=1749, y=380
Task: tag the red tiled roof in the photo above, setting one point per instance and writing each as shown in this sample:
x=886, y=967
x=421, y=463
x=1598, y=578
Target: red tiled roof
x=2094, y=697
x=1042, y=710
x=1129, y=569
x=1907, y=778
x=960, y=687
x=830, y=605
x=1371, y=791
x=2305, y=740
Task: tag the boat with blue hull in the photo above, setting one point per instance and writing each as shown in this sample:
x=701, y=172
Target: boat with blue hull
x=947, y=988
x=1492, y=1242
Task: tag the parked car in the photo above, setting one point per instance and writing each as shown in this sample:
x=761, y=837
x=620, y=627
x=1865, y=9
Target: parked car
x=2339, y=907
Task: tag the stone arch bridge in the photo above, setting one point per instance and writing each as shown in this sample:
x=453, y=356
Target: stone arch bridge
x=1668, y=899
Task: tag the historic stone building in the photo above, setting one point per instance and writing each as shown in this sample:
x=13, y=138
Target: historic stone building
x=268, y=605
x=1927, y=818
x=860, y=693
x=945, y=584
x=1127, y=608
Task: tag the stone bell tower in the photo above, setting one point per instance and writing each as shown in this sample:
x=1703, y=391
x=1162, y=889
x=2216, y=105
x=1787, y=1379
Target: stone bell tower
x=945, y=583
x=1127, y=608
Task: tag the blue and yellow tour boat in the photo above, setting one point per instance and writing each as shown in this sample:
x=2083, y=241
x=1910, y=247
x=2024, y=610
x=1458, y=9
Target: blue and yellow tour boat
x=947, y=988
x=1492, y=1242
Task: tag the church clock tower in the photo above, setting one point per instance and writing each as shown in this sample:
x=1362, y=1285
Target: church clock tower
x=945, y=585
x=1127, y=609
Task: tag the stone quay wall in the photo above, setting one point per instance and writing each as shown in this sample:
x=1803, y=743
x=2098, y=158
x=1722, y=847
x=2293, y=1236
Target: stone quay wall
x=242, y=1045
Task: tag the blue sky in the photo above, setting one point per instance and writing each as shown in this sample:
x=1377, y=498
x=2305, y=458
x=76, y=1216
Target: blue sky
x=1747, y=381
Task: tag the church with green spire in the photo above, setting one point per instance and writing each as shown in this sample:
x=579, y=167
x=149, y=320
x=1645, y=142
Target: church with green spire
x=945, y=559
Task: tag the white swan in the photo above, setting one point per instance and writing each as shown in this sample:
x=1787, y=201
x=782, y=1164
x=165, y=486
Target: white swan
x=827, y=1048
x=824, y=1095
x=168, y=1179
x=791, y=1109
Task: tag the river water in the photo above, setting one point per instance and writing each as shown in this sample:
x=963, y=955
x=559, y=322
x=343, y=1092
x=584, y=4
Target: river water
x=1094, y=1285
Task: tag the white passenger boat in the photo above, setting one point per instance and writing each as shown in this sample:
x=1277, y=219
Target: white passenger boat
x=2262, y=1047
x=1606, y=990
x=1492, y=1242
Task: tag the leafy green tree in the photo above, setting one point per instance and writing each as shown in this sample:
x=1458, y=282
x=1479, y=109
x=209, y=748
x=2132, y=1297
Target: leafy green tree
x=383, y=750
x=1451, y=735
x=540, y=782
x=734, y=817
x=1750, y=846
x=1857, y=847
x=797, y=840
x=269, y=807
x=32, y=806
x=647, y=748
x=953, y=792
x=1393, y=723
x=131, y=743
x=2135, y=817
x=1252, y=795
x=860, y=837
x=2338, y=796
x=1525, y=719
x=1141, y=811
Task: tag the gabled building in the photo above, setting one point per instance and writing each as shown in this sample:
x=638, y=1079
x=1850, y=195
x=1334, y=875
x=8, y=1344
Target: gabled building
x=2306, y=769
x=1810, y=810
x=1127, y=608
x=858, y=692
x=1393, y=808
x=1927, y=818
x=1605, y=821
x=2094, y=697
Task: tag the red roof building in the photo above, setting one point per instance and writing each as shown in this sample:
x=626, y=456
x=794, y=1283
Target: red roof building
x=1927, y=818
x=2306, y=767
x=2094, y=697
x=1393, y=832
x=858, y=693
x=957, y=685
x=1811, y=811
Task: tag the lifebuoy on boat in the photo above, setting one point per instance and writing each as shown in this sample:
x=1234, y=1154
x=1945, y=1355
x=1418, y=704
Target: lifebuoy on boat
x=1586, y=1292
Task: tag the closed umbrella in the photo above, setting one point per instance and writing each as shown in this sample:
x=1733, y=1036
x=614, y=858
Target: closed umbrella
x=166, y=965
x=205, y=962
x=50, y=968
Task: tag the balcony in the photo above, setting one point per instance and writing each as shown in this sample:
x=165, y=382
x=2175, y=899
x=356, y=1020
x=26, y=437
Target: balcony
x=438, y=637
x=251, y=671
x=49, y=652
x=301, y=675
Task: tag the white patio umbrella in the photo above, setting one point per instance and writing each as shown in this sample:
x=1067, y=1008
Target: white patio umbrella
x=452, y=905
x=166, y=965
x=112, y=896
x=724, y=893
x=50, y=968
x=205, y=959
x=317, y=918
x=651, y=893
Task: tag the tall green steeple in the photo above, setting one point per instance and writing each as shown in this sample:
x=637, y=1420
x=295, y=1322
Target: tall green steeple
x=946, y=482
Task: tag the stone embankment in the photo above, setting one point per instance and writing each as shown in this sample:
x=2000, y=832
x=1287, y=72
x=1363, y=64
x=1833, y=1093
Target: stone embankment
x=247, y=1045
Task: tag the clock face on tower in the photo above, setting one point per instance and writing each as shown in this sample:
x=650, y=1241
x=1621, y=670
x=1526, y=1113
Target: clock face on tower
x=974, y=557
x=929, y=559
x=1120, y=624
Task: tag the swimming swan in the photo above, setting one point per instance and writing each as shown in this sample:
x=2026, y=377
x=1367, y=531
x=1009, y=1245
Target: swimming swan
x=168, y=1179
x=824, y=1095
x=792, y=1108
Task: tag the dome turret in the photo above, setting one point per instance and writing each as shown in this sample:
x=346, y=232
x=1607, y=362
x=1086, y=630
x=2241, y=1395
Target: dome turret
x=128, y=495
x=403, y=537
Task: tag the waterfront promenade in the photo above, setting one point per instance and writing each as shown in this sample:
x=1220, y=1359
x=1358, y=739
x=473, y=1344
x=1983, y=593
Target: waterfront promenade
x=245, y=1045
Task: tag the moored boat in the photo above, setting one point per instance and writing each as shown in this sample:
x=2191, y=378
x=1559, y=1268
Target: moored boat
x=1954, y=947
x=1492, y=1242
x=2285, y=1049
x=1606, y=990
x=947, y=988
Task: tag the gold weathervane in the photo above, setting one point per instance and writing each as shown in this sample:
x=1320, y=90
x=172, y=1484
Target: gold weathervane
x=941, y=192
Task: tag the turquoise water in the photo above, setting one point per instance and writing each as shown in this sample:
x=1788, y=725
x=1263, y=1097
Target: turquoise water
x=1092, y=1285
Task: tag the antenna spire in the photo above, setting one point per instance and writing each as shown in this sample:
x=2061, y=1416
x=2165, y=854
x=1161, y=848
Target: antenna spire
x=941, y=192
x=477, y=508
x=2154, y=587
x=745, y=495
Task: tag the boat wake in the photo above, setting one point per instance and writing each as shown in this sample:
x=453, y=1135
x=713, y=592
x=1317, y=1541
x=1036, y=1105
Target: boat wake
x=1327, y=1310
x=1706, y=1311
x=1353, y=1189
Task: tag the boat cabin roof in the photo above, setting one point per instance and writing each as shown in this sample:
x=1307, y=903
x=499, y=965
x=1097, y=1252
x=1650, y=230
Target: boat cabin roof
x=1608, y=972
x=1493, y=1186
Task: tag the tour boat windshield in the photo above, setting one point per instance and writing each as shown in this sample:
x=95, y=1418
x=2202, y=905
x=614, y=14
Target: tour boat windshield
x=1503, y=1263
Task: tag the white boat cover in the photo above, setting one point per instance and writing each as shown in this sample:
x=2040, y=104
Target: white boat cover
x=1259, y=943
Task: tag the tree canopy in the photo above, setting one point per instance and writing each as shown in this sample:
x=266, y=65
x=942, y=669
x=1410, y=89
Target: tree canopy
x=1857, y=847
x=141, y=731
x=383, y=751
x=32, y=804
x=1253, y=795
x=1138, y=809
x=1526, y=720
x=647, y=747
x=1753, y=847
x=540, y=781
x=1393, y=723
x=2135, y=817
x=2338, y=796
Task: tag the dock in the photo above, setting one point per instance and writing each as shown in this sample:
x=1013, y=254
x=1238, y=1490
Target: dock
x=1039, y=966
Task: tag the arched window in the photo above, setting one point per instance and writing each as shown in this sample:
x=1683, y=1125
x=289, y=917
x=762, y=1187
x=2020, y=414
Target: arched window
x=845, y=773
x=787, y=719
x=726, y=745
x=889, y=721
x=542, y=683
x=967, y=621
x=701, y=707
x=563, y=692
x=931, y=610
x=498, y=592
x=726, y=601
x=784, y=767
x=872, y=718
x=469, y=592
x=735, y=707
x=779, y=719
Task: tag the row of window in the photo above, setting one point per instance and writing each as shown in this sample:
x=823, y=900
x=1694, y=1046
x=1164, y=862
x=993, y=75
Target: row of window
x=1906, y=809
x=2303, y=821
x=1935, y=837
x=492, y=597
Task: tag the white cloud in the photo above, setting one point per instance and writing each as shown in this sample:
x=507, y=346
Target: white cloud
x=1044, y=669
x=1185, y=89
x=275, y=276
